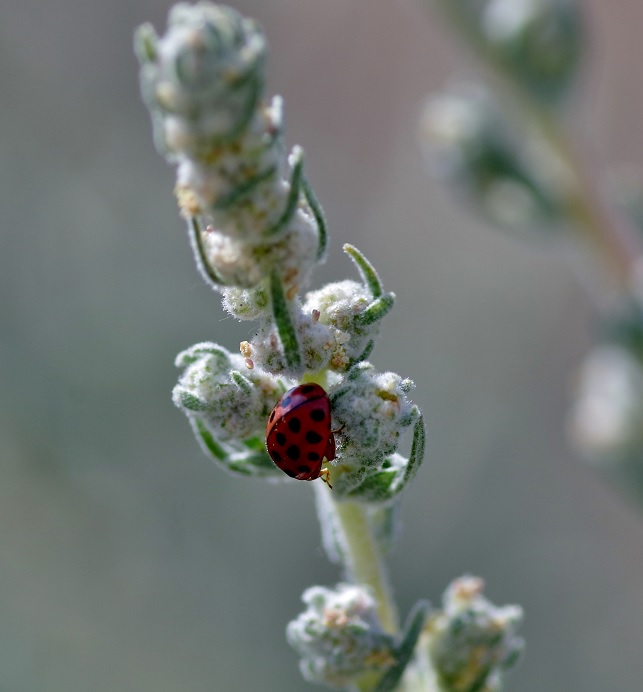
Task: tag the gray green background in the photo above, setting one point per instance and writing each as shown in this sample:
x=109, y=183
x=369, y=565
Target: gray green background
x=129, y=562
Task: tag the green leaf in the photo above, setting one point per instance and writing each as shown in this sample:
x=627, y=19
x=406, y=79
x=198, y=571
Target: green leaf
x=283, y=322
x=368, y=349
x=376, y=487
x=318, y=213
x=293, y=195
x=203, y=265
x=242, y=382
x=206, y=438
x=256, y=444
x=257, y=465
x=366, y=270
x=387, y=483
x=192, y=403
x=404, y=652
x=191, y=355
x=253, y=82
x=248, y=463
x=145, y=39
x=376, y=310
x=417, y=450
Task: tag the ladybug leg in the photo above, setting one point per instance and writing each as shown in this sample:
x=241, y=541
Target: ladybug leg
x=324, y=474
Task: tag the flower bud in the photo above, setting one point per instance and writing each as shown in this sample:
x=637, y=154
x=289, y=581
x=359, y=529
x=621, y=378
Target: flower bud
x=204, y=72
x=470, y=145
x=339, y=637
x=252, y=214
x=606, y=423
x=339, y=304
x=471, y=641
x=372, y=409
x=538, y=42
x=216, y=386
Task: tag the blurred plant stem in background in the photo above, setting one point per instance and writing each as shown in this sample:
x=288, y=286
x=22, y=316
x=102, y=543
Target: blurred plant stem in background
x=507, y=150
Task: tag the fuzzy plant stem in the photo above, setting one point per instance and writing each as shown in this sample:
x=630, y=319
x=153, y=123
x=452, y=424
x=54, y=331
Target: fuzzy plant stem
x=617, y=247
x=364, y=562
x=583, y=205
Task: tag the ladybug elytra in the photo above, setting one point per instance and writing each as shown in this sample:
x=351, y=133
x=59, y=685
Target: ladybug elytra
x=298, y=434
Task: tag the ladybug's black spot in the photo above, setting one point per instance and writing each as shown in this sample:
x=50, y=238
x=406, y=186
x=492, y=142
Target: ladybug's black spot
x=290, y=473
x=313, y=456
x=303, y=469
x=307, y=388
x=313, y=438
x=281, y=438
x=318, y=414
x=293, y=452
x=276, y=457
x=294, y=424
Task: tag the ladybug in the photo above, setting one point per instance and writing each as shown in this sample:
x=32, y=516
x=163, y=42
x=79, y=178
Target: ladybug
x=298, y=434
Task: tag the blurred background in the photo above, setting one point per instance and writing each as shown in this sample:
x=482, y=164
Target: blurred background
x=128, y=561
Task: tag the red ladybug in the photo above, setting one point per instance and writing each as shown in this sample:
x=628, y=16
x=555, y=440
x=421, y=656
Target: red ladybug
x=298, y=434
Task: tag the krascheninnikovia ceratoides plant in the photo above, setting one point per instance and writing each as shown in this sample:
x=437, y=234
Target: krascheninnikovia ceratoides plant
x=257, y=232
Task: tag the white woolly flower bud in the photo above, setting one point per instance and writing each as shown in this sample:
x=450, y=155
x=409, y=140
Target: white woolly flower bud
x=245, y=263
x=372, y=409
x=252, y=214
x=218, y=388
x=471, y=641
x=338, y=305
x=607, y=420
x=470, y=144
x=339, y=636
x=220, y=170
x=199, y=75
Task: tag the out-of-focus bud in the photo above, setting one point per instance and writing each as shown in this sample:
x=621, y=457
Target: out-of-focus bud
x=538, y=42
x=606, y=423
x=339, y=636
x=471, y=641
x=514, y=181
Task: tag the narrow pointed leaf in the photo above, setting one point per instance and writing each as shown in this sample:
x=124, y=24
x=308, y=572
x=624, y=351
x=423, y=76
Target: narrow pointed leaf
x=293, y=195
x=203, y=265
x=283, y=321
x=376, y=310
x=412, y=630
x=318, y=213
x=417, y=450
x=366, y=270
x=207, y=440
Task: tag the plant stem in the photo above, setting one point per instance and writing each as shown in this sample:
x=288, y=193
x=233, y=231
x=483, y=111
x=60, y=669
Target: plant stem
x=618, y=248
x=584, y=206
x=364, y=562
